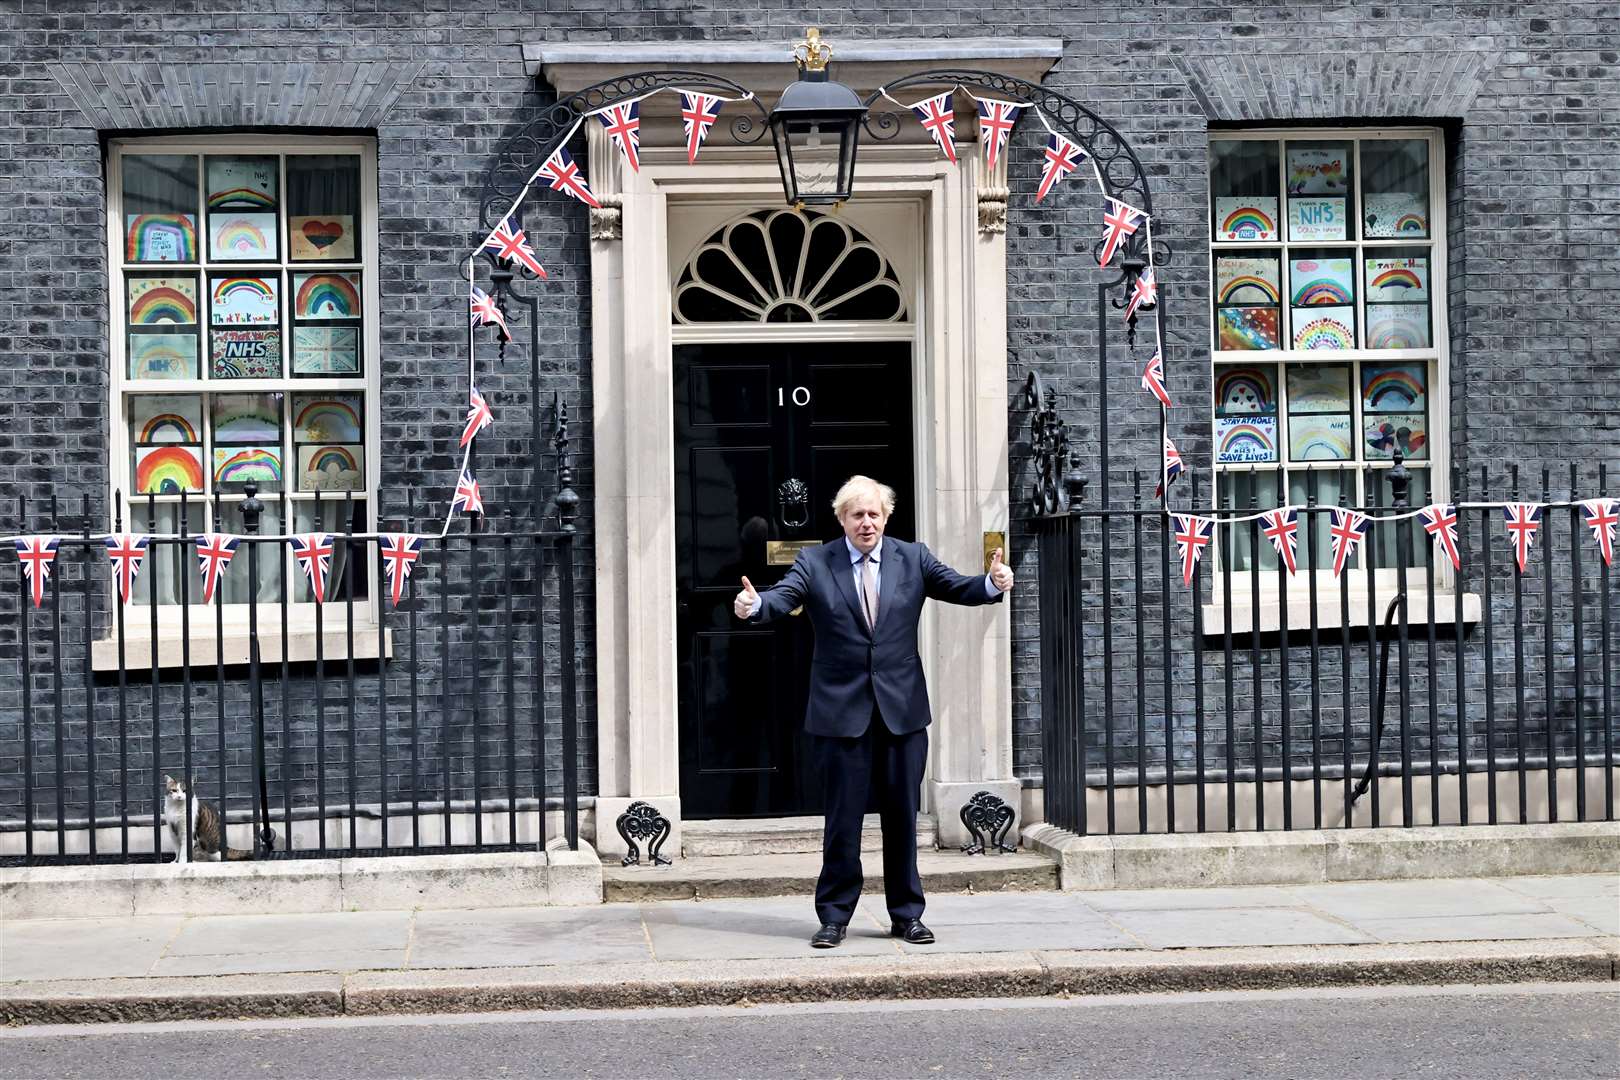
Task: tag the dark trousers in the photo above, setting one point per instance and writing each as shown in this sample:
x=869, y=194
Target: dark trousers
x=879, y=767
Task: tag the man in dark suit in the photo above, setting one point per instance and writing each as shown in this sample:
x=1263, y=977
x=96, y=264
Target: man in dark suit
x=868, y=714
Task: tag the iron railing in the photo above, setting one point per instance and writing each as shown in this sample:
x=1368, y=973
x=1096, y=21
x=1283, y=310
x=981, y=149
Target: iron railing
x=1400, y=693
x=446, y=724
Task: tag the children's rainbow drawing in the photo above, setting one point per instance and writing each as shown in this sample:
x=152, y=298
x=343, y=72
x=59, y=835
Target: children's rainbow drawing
x=1411, y=223
x=167, y=427
x=1401, y=279
x=1392, y=388
x=1251, y=218
x=1247, y=439
x=1318, y=388
x=153, y=301
x=1319, y=438
x=246, y=418
x=1327, y=332
x=244, y=300
x=242, y=182
x=1397, y=278
x=160, y=238
x=1249, y=290
x=1248, y=328
x=1242, y=391
x=167, y=470
x=242, y=237
x=326, y=420
x=162, y=356
x=237, y=465
x=326, y=296
x=1400, y=213
x=1318, y=282
x=329, y=468
x=1392, y=329
x=240, y=198
x=1246, y=280
x=1321, y=291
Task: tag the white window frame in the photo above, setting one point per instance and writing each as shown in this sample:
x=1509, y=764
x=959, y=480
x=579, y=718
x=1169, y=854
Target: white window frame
x=1438, y=463
x=301, y=616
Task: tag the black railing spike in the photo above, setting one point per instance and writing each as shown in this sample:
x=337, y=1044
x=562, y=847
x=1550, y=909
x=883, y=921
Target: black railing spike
x=567, y=498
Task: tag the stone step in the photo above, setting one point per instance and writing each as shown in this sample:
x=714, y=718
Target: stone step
x=780, y=836
x=795, y=875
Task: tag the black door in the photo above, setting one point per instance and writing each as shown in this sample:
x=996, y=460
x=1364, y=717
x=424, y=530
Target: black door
x=749, y=421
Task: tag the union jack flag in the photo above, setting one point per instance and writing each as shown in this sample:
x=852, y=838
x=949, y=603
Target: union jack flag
x=36, y=554
x=1144, y=294
x=399, y=554
x=478, y=417
x=996, y=119
x=1062, y=158
x=214, y=552
x=1601, y=518
x=623, y=123
x=467, y=496
x=566, y=177
x=698, y=114
x=511, y=245
x=1523, y=519
x=126, y=553
x=1348, y=531
x=1282, y=529
x=1440, y=522
x=1153, y=379
x=313, y=551
x=1172, y=467
x=1193, y=534
x=939, y=117
x=1119, y=221
x=485, y=313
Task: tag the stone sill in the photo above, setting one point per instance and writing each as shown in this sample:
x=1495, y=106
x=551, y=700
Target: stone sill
x=369, y=644
x=1328, y=611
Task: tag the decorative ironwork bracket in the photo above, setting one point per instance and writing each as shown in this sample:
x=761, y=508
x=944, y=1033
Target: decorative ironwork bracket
x=642, y=821
x=987, y=819
x=1058, y=486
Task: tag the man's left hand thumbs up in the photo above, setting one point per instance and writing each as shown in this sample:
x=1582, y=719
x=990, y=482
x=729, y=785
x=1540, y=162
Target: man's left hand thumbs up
x=1001, y=575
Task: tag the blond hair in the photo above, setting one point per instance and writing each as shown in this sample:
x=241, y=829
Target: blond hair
x=855, y=487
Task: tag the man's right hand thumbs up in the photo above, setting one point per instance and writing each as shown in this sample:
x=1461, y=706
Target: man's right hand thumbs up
x=745, y=600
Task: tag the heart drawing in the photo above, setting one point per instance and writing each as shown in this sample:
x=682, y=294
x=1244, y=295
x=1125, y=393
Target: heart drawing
x=322, y=234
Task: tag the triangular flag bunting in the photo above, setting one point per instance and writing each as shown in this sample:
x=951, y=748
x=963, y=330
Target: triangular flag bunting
x=1193, y=534
x=313, y=553
x=214, y=554
x=126, y=553
x=1349, y=529
x=1523, y=519
x=938, y=116
x=1062, y=157
x=623, y=123
x=1601, y=518
x=1282, y=529
x=485, y=313
x=565, y=176
x=1172, y=467
x=1120, y=220
x=1144, y=293
x=36, y=554
x=1440, y=522
x=996, y=120
x=698, y=114
x=512, y=245
x=399, y=554
x=478, y=417
x=1153, y=379
x=467, y=495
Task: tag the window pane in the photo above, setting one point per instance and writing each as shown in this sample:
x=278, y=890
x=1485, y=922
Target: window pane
x=1398, y=299
x=242, y=201
x=160, y=208
x=1319, y=175
x=1246, y=414
x=1248, y=293
x=326, y=324
x=1321, y=426
x=237, y=584
x=247, y=441
x=166, y=443
x=328, y=517
x=1321, y=295
x=328, y=441
x=1395, y=199
x=244, y=336
x=1243, y=180
x=1247, y=492
x=166, y=562
x=162, y=321
x=323, y=207
x=1394, y=406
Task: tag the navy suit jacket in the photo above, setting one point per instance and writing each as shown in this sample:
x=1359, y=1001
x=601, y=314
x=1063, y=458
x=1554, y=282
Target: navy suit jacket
x=853, y=666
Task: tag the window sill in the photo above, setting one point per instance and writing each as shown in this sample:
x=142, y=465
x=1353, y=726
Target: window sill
x=1330, y=616
x=369, y=643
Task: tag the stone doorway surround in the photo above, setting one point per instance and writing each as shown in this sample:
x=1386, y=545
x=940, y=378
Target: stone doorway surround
x=955, y=278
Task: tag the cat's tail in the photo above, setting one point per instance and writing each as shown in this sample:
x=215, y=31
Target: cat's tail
x=238, y=855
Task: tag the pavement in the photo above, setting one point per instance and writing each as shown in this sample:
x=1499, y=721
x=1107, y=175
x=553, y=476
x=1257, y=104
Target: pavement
x=696, y=952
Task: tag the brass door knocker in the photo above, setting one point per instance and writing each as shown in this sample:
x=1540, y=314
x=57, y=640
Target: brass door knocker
x=793, y=501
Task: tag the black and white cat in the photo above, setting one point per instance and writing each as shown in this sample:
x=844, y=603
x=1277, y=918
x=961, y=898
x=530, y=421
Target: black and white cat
x=207, y=830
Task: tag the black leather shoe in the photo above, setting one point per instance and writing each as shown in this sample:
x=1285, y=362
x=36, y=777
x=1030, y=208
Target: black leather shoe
x=829, y=936
x=912, y=931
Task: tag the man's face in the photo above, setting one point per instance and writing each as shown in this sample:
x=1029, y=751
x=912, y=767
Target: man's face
x=863, y=521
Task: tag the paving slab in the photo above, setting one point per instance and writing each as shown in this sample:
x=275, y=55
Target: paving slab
x=343, y=931
x=1602, y=914
x=1010, y=923
x=1473, y=927
x=1211, y=927
x=1416, y=899
x=1571, y=886
x=83, y=948
x=1256, y=896
x=268, y=963
x=752, y=929
x=507, y=937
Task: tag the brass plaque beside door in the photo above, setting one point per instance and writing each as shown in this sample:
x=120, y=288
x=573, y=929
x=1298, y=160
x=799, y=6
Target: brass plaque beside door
x=783, y=552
